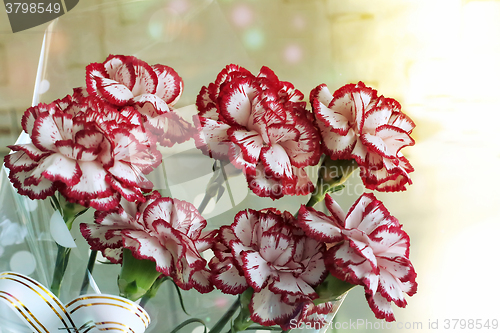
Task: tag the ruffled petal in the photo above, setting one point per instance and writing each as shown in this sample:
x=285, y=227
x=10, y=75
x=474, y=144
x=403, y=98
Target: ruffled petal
x=319, y=226
x=236, y=102
x=276, y=162
x=170, y=84
x=267, y=309
x=250, y=142
x=256, y=269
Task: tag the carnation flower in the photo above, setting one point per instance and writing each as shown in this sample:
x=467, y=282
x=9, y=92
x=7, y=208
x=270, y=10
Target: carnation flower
x=357, y=124
x=152, y=90
x=367, y=247
x=163, y=230
x=90, y=160
x=264, y=250
x=261, y=125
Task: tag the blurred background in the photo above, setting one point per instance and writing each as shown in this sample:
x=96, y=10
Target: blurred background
x=439, y=59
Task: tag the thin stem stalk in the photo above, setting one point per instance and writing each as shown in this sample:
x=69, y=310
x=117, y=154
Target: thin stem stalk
x=226, y=317
x=90, y=269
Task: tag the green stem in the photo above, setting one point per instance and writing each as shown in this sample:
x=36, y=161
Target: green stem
x=204, y=202
x=69, y=212
x=226, y=317
x=314, y=199
x=152, y=291
x=187, y=322
x=60, y=268
x=90, y=269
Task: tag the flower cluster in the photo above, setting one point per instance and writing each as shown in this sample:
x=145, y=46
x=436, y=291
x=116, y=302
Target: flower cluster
x=151, y=90
x=163, y=230
x=261, y=125
x=357, y=124
x=267, y=251
x=366, y=247
x=95, y=147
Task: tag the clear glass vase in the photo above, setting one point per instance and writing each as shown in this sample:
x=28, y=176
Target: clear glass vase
x=197, y=38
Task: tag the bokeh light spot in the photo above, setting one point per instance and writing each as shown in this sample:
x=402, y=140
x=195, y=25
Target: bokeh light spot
x=293, y=54
x=253, y=39
x=165, y=24
x=242, y=16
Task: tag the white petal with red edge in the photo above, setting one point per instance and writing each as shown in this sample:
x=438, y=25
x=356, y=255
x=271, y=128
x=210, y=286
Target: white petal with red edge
x=46, y=132
x=243, y=226
x=357, y=211
x=201, y=282
x=390, y=288
x=113, y=63
x=338, y=145
x=103, y=203
x=362, y=248
x=387, y=141
x=256, y=269
x=319, y=226
x=335, y=117
x=236, y=102
x=402, y=121
x=114, y=92
x=376, y=216
x=145, y=78
x=315, y=271
x=376, y=118
x=92, y=183
x=399, y=267
x=268, y=309
x=130, y=193
x=32, y=152
x=159, y=105
x=41, y=190
x=250, y=143
x=282, y=133
x=334, y=208
x=276, y=248
x=392, y=240
x=128, y=174
x=357, y=268
x=19, y=161
x=147, y=247
x=288, y=284
x=58, y=167
x=277, y=162
x=264, y=186
x=101, y=237
x=380, y=307
x=170, y=84
x=322, y=94
x=227, y=278
x=213, y=135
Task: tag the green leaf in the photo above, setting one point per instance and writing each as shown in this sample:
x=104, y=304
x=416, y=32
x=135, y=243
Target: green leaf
x=220, y=193
x=180, y=297
x=187, y=322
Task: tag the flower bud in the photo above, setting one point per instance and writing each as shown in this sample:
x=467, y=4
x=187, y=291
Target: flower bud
x=331, y=289
x=331, y=175
x=136, y=276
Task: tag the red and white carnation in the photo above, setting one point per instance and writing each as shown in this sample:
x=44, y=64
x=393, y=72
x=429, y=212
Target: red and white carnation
x=92, y=157
x=367, y=247
x=356, y=123
x=261, y=125
x=164, y=230
x=266, y=251
x=151, y=90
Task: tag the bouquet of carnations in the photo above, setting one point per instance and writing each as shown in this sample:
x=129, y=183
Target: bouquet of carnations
x=96, y=148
